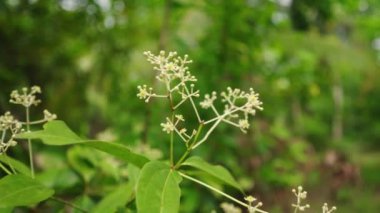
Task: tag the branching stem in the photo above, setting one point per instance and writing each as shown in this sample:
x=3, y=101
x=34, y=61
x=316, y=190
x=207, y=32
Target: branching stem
x=188, y=150
x=193, y=104
x=218, y=191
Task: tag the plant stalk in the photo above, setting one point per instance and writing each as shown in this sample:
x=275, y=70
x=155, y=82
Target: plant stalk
x=9, y=163
x=220, y=192
x=188, y=150
x=5, y=169
x=30, y=148
x=172, y=144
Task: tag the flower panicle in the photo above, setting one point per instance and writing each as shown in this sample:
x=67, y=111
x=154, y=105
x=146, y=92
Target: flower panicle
x=238, y=105
x=26, y=96
x=300, y=195
x=8, y=124
x=173, y=72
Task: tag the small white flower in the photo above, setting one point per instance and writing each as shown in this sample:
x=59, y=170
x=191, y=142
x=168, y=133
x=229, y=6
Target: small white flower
x=208, y=101
x=167, y=127
x=180, y=117
x=145, y=93
x=243, y=124
x=249, y=199
x=49, y=116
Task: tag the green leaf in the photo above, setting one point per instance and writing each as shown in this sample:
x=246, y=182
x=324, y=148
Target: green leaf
x=58, y=133
x=6, y=210
x=84, y=202
x=116, y=199
x=219, y=172
x=19, y=166
x=158, y=189
x=21, y=190
x=84, y=161
x=54, y=133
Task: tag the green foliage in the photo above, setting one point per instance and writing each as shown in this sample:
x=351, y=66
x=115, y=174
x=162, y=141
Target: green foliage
x=297, y=54
x=57, y=133
x=158, y=189
x=19, y=166
x=217, y=172
x=21, y=190
x=116, y=199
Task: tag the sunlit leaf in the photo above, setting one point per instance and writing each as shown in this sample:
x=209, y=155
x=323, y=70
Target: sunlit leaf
x=21, y=190
x=58, y=133
x=116, y=199
x=158, y=189
x=216, y=171
x=17, y=165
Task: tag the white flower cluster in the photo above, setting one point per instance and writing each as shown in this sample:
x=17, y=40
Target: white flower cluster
x=174, y=73
x=325, y=208
x=301, y=195
x=8, y=124
x=170, y=67
x=238, y=106
x=251, y=208
x=27, y=97
x=172, y=126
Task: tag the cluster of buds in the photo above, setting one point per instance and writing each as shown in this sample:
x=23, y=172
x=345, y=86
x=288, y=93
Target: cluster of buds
x=325, y=208
x=170, y=67
x=174, y=73
x=301, y=195
x=252, y=208
x=48, y=116
x=8, y=124
x=172, y=126
x=27, y=97
x=238, y=106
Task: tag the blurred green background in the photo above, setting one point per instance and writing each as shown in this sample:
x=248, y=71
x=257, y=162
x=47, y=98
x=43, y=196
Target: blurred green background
x=314, y=63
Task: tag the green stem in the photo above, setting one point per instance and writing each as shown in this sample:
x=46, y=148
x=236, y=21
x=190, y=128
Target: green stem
x=5, y=169
x=172, y=144
x=3, y=136
x=188, y=150
x=9, y=163
x=59, y=200
x=218, y=191
x=30, y=148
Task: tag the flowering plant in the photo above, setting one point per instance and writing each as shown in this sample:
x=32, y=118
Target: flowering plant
x=157, y=187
